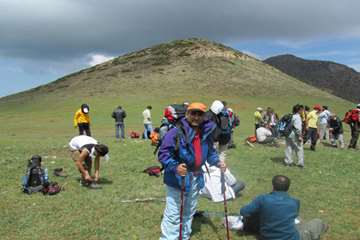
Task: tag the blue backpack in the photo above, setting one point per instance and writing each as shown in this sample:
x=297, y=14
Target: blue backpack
x=224, y=127
x=284, y=126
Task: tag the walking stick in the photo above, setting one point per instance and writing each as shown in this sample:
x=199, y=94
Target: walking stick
x=181, y=206
x=223, y=190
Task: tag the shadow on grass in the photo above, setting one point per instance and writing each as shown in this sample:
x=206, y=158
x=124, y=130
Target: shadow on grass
x=278, y=160
x=101, y=181
x=198, y=221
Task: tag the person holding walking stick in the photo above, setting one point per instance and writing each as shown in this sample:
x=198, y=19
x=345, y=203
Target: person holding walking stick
x=183, y=152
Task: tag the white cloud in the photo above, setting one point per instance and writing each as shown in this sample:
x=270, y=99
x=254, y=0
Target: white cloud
x=355, y=66
x=96, y=59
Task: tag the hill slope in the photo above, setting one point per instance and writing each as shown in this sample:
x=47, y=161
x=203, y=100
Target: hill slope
x=334, y=78
x=178, y=68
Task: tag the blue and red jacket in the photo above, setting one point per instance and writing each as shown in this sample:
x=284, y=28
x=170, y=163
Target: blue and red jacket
x=170, y=157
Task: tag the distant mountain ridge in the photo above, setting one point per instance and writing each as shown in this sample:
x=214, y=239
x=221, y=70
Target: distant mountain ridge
x=332, y=77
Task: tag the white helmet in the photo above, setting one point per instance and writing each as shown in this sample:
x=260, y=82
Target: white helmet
x=216, y=107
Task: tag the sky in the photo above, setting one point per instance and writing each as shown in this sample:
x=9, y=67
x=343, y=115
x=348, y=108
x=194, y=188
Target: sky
x=42, y=40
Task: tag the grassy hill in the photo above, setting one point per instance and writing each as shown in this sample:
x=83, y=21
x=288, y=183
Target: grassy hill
x=332, y=77
x=39, y=121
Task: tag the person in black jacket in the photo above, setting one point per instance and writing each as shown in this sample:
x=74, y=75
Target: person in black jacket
x=119, y=114
x=336, y=131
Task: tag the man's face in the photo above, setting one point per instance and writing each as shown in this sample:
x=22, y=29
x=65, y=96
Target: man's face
x=195, y=117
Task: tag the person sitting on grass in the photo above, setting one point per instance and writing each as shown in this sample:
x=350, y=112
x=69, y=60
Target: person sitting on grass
x=264, y=135
x=84, y=151
x=272, y=216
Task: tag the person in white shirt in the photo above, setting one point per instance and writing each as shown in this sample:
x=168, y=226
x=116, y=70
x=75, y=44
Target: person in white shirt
x=84, y=151
x=324, y=118
x=294, y=142
x=147, y=122
x=264, y=135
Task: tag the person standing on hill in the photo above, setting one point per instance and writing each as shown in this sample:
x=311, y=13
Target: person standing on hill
x=183, y=152
x=354, y=126
x=82, y=120
x=119, y=114
x=336, y=130
x=324, y=118
x=312, y=126
x=147, y=122
x=294, y=142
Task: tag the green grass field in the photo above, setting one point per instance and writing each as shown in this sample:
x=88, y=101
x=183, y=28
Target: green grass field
x=327, y=187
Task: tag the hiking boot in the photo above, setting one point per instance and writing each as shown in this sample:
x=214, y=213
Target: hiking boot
x=300, y=166
x=59, y=172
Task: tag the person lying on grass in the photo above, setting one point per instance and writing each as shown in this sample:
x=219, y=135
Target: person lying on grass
x=183, y=152
x=85, y=150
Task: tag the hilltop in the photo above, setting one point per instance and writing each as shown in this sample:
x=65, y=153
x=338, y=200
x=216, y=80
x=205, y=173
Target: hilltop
x=332, y=77
x=178, y=68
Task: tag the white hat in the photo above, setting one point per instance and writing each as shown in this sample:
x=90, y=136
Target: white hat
x=358, y=106
x=216, y=107
x=259, y=109
x=230, y=109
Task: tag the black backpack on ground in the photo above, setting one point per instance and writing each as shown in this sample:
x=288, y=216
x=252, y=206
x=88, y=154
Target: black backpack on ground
x=284, y=126
x=35, y=177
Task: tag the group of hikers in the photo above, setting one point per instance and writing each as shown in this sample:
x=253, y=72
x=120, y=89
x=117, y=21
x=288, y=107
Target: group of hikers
x=303, y=125
x=191, y=144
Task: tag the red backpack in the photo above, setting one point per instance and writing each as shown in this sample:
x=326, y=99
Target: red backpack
x=355, y=114
x=347, y=117
x=134, y=134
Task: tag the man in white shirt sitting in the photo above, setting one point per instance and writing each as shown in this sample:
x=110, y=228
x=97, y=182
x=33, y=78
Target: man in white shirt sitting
x=264, y=135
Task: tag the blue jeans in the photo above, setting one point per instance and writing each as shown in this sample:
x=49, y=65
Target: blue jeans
x=119, y=127
x=171, y=220
x=148, y=130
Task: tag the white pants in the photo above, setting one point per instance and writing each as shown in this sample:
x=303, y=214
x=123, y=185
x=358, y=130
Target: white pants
x=294, y=145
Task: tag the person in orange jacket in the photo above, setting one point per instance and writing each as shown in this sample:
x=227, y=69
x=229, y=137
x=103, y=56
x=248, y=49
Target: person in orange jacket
x=82, y=120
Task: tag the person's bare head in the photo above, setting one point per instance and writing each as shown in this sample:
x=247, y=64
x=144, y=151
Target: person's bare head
x=281, y=183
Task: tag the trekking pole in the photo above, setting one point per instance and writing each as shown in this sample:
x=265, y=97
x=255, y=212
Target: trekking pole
x=181, y=206
x=223, y=190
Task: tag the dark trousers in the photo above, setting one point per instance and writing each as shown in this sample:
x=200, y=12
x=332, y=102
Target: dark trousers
x=312, y=135
x=355, y=128
x=84, y=129
x=120, y=130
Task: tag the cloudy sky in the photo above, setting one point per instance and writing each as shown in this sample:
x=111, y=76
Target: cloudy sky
x=42, y=40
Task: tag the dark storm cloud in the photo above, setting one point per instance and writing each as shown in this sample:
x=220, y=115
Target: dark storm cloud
x=62, y=29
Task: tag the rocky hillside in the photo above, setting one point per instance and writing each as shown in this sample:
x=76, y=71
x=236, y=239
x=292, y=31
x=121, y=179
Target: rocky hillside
x=334, y=78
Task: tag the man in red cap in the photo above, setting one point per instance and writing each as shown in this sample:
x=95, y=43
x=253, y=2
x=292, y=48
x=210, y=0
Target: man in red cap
x=183, y=152
x=312, y=126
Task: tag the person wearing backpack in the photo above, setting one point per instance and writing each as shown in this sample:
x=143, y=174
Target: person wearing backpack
x=294, y=141
x=86, y=150
x=354, y=123
x=312, y=126
x=336, y=130
x=119, y=114
x=82, y=120
x=184, y=151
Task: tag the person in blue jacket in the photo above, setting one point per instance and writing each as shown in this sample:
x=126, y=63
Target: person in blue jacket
x=273, y=215
x=183, y=152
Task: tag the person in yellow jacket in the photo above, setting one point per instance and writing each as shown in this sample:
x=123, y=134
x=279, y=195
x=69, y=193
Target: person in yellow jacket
x=312, y=126
x=82, y=120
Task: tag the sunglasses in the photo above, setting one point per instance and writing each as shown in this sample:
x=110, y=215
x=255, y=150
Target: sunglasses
x=196, y=113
